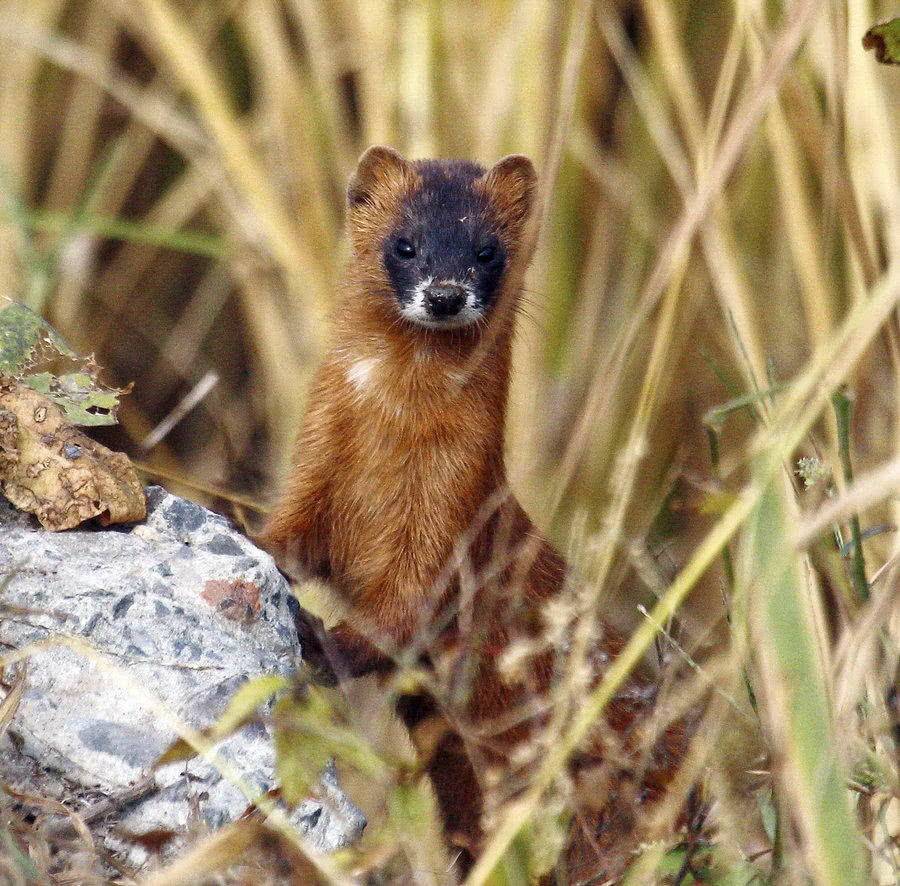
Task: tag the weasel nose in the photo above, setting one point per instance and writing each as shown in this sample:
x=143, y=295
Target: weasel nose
x=444, y=301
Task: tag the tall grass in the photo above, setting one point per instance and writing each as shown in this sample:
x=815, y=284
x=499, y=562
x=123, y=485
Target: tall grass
x=720, y=219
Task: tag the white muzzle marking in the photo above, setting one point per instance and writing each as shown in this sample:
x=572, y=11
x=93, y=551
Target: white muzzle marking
x=416, y=312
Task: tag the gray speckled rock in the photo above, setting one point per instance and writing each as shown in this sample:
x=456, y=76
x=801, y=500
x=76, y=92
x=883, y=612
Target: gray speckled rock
x=188, y=609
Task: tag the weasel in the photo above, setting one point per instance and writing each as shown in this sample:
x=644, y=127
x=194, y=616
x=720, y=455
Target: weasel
x=398, y=493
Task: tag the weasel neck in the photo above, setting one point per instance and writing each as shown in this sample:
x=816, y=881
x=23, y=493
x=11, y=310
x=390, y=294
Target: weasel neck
x=368, y=325
x=425, y=385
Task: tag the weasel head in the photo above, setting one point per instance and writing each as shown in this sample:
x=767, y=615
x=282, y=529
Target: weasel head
x=437, y=241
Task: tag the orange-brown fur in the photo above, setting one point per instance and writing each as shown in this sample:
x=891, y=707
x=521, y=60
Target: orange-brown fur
x=400, y=481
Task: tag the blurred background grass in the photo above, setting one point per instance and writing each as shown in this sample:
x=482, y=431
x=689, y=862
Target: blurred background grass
x=173, y=175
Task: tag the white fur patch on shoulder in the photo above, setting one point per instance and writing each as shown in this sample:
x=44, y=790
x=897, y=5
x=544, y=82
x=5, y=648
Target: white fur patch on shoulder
x=359, y=373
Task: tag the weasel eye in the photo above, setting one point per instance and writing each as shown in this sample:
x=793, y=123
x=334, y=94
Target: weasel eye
x=486, y=254
x=405, y=249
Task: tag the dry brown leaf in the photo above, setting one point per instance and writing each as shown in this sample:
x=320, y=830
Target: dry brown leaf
x=51, y=469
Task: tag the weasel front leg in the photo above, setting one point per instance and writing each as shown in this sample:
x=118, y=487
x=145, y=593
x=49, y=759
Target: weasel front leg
x=349, y=649
x=339, y=654
x=296, y=533
x=297, y=536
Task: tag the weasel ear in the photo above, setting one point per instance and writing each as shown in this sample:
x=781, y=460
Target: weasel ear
x=513, y=183
x=377, y=166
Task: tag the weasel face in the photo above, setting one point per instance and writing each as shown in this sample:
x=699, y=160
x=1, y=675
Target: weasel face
x=444, y=232
x=444, y=258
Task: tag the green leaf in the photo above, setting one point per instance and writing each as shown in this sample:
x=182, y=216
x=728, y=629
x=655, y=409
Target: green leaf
x=30, y=348
x=83, y=400
x=308, y=734
x=885, y=40
x=241, y=708
x=300, y=755
x=21, y=333
x=246, y=700
x=414, y=822
x=535, y=851
x=513, y=868
x=410, y=810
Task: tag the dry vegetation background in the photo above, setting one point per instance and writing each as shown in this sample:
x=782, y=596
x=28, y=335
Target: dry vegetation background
x=721, y=228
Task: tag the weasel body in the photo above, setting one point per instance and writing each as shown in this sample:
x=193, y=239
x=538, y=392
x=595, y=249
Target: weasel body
x=398, y=493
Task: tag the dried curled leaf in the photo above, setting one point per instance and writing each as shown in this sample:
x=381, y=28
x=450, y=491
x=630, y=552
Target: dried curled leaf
x=51, y=469
x=885, y=40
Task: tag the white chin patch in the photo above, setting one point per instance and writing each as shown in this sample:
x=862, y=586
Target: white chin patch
x=416, y=312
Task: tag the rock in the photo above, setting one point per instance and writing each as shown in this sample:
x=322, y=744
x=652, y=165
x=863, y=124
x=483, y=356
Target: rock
x=187, y=609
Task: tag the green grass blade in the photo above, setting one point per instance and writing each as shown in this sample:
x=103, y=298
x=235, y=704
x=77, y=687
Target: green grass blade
x=796, y=697
x=843, y=411
x=193, y=242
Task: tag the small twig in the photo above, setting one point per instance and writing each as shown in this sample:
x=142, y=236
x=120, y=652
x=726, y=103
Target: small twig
x=199, y=486
x=188, y=402
x=883, y=569
x=106, y=806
